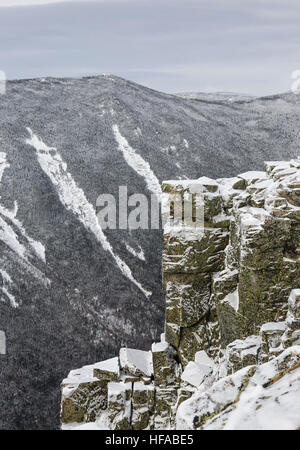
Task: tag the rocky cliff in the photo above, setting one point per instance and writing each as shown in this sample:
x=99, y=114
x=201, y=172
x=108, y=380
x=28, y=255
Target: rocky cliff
x=230, y=354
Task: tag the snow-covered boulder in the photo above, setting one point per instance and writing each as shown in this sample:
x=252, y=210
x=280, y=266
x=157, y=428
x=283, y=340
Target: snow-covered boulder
x=136, y=362
x=253, y=398
x=107, y=370
x=84, y=396
x=196, y=371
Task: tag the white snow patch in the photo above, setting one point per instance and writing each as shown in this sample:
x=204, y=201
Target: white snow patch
x=74, y=199
x=99, y=425
x=258, y=407
x=76, y=377
x=138, y=254
x=9, y=236
x=273, y=326
x=186, y=144
x=232, y=299
x=11, y=239
x=222, y=392
x=195, y=373
x=36, y=246
x=252, y=176
x=140, y=386
x=202, y=358
x=294, y=297
x=159, y=347
x=136, y=361
x=3, y=164
x=109, y=365
x=272, y=408
x=7, y=281
x=138, y=164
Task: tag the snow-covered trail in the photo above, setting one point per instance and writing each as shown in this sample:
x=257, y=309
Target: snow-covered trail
x=137, y=163
x=74, y=199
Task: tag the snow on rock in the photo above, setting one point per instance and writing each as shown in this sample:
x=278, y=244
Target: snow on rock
x=158, y=347
x=11, y=239
x=84, y=397
x=197, y=371
x=273, y=326
x=232, y=299
x=269, y=404
x=242, y=352
x=252, y=176
x=223, y=393
x=76, y=377
x=119, y=405
x=137, y=163
x=6, y=283
x=85, y=373
x=109, y=369
x=137, y=253
x=261, y=398
x=90, y=426
x=294, y=299
x=37, y=247
x=14, y=236
x=3, y=164
x=210, y=184
x=136, y=362
x=186, y=144
x=252, y=217
x=202, y=358
x=194, y=373
x=74, y=199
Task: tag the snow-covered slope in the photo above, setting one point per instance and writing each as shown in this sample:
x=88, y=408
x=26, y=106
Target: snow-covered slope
x=82, y=292
x=262, y=398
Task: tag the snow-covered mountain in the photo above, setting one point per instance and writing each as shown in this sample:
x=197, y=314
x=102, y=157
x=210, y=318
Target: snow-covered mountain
x=72, y=293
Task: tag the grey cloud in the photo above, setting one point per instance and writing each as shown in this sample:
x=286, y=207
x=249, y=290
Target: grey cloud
x=170, y=45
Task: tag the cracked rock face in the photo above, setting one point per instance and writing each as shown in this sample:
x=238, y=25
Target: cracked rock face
x=230, y=355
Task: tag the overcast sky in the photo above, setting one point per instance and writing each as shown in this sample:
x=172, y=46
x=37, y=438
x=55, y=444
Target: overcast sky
x=247, y=46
